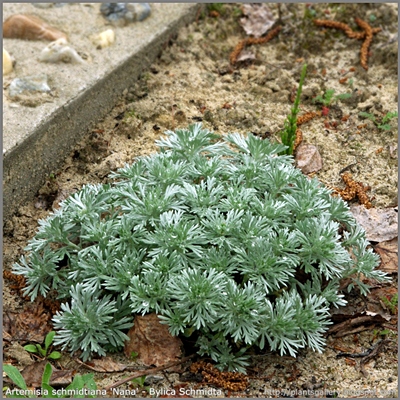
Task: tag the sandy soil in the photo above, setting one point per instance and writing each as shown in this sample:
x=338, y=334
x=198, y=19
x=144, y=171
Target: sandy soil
x=194, y=81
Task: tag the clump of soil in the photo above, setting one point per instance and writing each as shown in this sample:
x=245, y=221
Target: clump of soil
x=193, y=81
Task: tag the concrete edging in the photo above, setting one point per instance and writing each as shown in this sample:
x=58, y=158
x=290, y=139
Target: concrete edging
x=29, y=160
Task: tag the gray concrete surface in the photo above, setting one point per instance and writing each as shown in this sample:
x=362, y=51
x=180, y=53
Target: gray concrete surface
x=36, y=140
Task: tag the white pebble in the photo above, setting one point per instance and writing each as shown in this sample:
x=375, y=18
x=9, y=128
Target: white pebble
x=7, y=62
x=104, y=39
x=59, y=50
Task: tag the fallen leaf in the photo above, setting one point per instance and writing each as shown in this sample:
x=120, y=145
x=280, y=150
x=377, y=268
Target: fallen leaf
x=31, y=325
x=388, y=251
x=33, y=375
x=152, y=341
x=380, y=224
x=62, y=377
x=105, y=364
x=18, y=353
x=6, y=337
x=258, y=19
x=246, y=55
x=375, y=301
x=308, y=158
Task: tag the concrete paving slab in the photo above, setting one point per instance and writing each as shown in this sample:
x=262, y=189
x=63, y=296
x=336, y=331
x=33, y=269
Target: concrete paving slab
x=37, y=138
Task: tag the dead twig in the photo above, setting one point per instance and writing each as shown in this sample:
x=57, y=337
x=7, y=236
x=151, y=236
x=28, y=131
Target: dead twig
x=354, y=325
x=364, y=354
x=375, y=350
x=248, y=41
x=147, y=372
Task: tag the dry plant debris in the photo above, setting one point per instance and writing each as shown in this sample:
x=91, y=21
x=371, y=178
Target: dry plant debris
x=388, y=252
x=367, y=41
x=377, y=348
x=33, y=375
x=302, y=119
x=354, y=190
x=152, y=341
x=234, y=381
x=366, y=34
x=358, y=323
x=104, y=364
x=367, y=355
x=31, y=325
x=249, y=41
x=18, y=281
x=258, y=19
x=380, y=224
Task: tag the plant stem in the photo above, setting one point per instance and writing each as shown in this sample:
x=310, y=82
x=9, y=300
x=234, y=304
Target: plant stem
x=288, y=135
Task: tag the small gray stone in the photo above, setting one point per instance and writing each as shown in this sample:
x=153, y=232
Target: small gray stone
x=32, y=83
x=124, y=13
x=153, y=379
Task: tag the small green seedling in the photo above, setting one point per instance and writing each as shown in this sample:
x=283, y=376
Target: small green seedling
x=79, y=382
x=37, y=348
x=351, y=83
x=139, y=382
x=386, y=333
x=288, y=135
x=328, y=97
x=391, y=303
x=386, y=118
x=218, y=7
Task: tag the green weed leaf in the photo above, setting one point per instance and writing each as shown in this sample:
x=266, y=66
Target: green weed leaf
x=54, y=355
x=13, y=373
x=47, y=374
x=31, y=348
x=49, y=340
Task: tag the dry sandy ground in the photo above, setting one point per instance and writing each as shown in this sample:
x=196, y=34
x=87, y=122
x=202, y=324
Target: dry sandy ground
x=193, y=81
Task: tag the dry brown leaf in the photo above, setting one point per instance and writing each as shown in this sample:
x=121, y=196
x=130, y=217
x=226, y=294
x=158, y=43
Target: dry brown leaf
x=380, y=224
x=31, y=325
x=258, y=19
x=18, y=353
x=33, y=375
x=308, y=158
x=105, y=364
x=376, y=299
x=61, y=377
x=388, y=251
x=152, y=341
x=6, y=336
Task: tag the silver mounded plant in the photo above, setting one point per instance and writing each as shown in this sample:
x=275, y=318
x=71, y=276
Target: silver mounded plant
x=219, y=235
